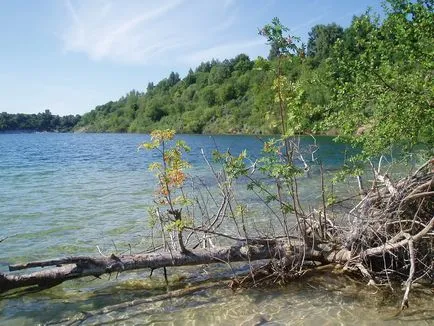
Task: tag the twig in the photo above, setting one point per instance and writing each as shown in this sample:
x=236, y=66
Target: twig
x=423, y=166
x=100, y=252
x=324, y=204
x=408, y=283
x=391, y=246
x=422, y=194
x=365, y=273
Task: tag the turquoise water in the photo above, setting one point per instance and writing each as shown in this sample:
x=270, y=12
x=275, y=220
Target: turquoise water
x=66, y=194
x=63, y=194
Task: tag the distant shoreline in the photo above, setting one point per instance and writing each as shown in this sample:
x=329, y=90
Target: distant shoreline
x=326, y=134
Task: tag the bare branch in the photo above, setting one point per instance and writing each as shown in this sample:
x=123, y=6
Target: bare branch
x=409, y=281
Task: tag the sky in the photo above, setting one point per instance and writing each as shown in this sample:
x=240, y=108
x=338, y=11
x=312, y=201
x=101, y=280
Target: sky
x=69, y=56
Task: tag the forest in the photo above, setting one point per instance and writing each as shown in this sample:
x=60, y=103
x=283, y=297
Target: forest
x=45, y=121
x=373, y=79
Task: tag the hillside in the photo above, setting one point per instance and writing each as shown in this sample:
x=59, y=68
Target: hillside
x=217, y=97
x=373, y=79
x=232, y=96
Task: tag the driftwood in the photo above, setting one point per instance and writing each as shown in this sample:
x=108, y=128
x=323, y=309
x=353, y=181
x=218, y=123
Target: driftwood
x=387, y=236
x=76, y=267
x=82, y=266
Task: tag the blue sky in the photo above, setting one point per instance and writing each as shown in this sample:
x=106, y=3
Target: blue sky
x=70, y=55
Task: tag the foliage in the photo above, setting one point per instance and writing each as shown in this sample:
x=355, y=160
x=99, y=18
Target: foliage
x=37, y=122
x=383, y=79
x=232, y=96
x=170, y=173
x=321, y=40
x=280, y=43
x=370, y=82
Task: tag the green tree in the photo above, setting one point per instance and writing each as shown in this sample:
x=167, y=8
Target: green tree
x=190, y=79
x=209, y=96
x=384, y=90
x=321, y=40
x=287, y=93
x=173, y=79
x=242, y=63
x=150, y=87
x=280, y=43
x=219, y=73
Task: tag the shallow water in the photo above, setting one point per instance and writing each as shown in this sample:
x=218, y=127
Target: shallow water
x=66, y=194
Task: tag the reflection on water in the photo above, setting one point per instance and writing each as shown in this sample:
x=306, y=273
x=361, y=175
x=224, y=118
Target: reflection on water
x=65, y=194
x=314, y=300
x=322, y=299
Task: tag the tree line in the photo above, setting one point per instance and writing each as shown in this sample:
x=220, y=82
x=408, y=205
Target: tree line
x=373, y=78
x=230, y=96
x=45, y=121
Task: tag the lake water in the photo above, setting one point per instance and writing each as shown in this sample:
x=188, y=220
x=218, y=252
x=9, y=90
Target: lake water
x=66, y=194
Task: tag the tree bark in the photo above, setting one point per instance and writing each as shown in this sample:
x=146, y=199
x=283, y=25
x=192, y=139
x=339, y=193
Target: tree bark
x=258, y=249
x=81, y=266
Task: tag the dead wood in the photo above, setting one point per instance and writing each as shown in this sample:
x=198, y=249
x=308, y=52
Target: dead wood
x=76, y=267
x=387, y=236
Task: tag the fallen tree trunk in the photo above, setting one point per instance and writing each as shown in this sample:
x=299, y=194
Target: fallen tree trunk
x=82, y=266
x=389, y=235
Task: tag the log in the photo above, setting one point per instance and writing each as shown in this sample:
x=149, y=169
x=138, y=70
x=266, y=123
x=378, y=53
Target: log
x=82, y=266
x=382, y=212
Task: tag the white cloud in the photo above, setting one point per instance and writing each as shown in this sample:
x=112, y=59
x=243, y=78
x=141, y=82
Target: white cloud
x=72, y=12
x=118, y=31
x=148, y=32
